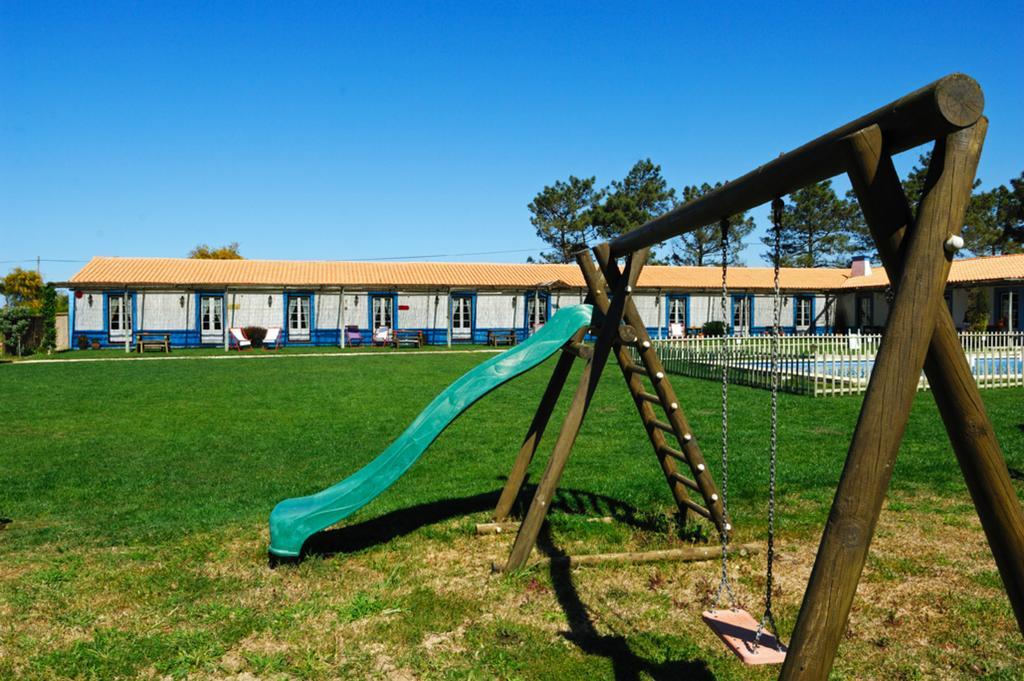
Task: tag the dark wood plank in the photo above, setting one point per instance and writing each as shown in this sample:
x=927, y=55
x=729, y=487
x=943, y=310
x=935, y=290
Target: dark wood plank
x=938, y=109
x=981, y=460
x=865, y=479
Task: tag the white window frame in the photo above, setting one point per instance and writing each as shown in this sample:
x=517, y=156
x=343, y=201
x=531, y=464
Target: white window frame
x=119, y=312
x=462, y=317
x=382, y=312
x=677, y=311
x=302, y=306
x=536, y=316
x=804, y=313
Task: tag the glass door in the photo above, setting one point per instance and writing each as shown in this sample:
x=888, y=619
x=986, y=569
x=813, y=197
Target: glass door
x=741, y=315
x=119, y=318
x=211, y=320
x=382, y=312
x=298, y=318
x=462, y=318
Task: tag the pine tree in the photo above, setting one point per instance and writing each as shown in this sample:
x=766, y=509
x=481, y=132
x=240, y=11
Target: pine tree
x=816, y=227
x=703, y=246
x=563, y=216
x=643, y=194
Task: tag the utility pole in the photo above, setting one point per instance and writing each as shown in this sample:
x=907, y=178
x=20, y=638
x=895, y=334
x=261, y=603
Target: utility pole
x=38, y=270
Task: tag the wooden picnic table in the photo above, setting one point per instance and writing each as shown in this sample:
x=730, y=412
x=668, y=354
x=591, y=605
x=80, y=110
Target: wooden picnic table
x=411, y=337
x=497, y=338
x=152, y=341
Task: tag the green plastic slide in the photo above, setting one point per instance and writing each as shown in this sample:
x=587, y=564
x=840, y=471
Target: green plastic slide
x=293, y=520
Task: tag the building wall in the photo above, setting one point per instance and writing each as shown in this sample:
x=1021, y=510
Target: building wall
x=251, y=308
x=88, y=317
x=163, y=311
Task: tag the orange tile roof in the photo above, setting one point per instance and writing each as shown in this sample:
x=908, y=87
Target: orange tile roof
x=181, y=272
x=966, y=271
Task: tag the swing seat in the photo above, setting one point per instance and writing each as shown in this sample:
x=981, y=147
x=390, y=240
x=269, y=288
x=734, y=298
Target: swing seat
x=737, y=629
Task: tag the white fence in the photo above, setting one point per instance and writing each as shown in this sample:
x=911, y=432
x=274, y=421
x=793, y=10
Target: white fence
x=832, y=364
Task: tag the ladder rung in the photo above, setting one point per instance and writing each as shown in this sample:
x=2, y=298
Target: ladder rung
x=662, y=426
x=636, y=369
x=697, y=508
x=686, y=481
x=648, y=397
x=665, y=450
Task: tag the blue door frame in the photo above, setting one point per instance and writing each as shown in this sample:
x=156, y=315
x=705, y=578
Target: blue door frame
x=750, y=313
x=107, y=295
x=369, y=309
x=545, y=300
x=312, y=317
x=471, y=296
x=199, y=316
x=796, y=304
x=997, y=308
x=686, y=308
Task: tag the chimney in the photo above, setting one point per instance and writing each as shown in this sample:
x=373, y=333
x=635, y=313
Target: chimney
x=861, y=267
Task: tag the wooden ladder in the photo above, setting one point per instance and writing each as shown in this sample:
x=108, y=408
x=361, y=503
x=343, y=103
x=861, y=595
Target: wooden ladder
x=633, y=334
x=618, y=329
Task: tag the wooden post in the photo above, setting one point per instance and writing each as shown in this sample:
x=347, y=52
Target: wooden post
x=858, y=501
x=528, y=531
x=531, y=442
x=341, y=317
x=125, y=315
x=981, y=460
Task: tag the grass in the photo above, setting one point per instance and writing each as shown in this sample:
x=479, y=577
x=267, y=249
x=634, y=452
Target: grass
x=119, y=353
x=140, y=492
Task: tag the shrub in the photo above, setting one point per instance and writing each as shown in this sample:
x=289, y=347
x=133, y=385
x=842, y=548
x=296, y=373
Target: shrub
x=715, y=328
x=976, y=316
x=83, y=342
x=49, y=313
x=256, y=334
x=15, y=328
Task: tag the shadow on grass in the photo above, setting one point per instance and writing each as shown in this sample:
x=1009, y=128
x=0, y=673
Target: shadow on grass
x=626, y=664
x=398, y=523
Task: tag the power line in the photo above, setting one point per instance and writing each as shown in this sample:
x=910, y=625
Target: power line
x=449, y=255
x=7, y=262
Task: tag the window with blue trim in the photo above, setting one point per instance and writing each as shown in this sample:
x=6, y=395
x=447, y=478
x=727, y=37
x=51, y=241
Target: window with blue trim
x=677, y=311
x=383, y=311
x=742, y=309
x=804, y=311
x=462, y=317
x=119, y=315
x=536, y=310
x=298, y=317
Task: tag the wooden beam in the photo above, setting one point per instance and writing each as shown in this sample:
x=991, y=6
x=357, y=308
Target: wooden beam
x=865, y=479
x=526, y=539
x=936, y=110
x=953, y=386
x=516, y=477
x=687, y=554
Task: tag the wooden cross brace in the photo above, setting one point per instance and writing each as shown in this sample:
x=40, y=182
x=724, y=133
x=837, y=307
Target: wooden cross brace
x=919, y=334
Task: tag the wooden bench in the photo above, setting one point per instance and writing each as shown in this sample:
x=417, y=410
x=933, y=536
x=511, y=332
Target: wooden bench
x=497, y=338
x=152, y=341
x=410, y=337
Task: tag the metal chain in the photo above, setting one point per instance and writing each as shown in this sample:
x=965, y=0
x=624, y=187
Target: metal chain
x=723, y=357
x=768, y=618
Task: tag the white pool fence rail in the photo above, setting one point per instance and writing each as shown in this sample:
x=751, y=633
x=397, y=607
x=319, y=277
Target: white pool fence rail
x=835, y=364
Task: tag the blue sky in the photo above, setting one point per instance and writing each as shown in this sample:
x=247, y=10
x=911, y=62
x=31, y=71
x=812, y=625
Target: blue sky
x=376, y=130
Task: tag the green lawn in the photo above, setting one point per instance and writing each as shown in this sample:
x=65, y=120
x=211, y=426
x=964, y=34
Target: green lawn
x=140, y=491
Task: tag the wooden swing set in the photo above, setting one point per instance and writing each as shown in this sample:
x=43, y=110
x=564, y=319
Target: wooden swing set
x=916, y=248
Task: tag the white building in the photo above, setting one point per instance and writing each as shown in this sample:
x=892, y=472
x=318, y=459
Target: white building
x=195, y=301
